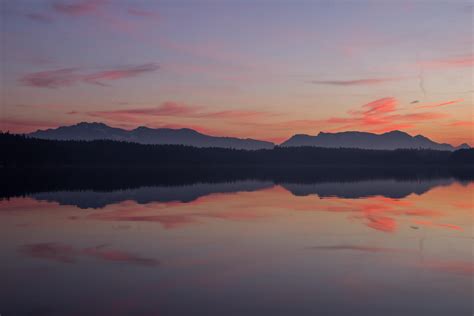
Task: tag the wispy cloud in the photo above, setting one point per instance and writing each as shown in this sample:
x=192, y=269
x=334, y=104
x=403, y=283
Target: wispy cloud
x=120, y=73
x=137, y=114
x=459, y=61
x=142, y=13
x=174, y=109
x=69, y=76
x=51, y=79
x=356, y=82
x=76, y=8
x=440, y=225
x=362, y=249
x=39, y=17
x=106, y=16
x=380, y=116
x=463, y=123
x=435, y=105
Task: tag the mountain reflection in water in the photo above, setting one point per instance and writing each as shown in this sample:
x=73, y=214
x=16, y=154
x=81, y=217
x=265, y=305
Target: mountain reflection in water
x=320, y=242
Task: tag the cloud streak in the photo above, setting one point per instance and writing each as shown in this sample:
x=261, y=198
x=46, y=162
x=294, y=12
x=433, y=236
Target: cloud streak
x=362, y=249
x=142, y=13
x=356, y=82
x=175, y=109
x=381, y=116
x=69, y=76
x=78, y=7
x=435, y=105
x=460, y=61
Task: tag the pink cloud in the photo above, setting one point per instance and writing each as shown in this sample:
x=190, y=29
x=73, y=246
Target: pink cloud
x=76, y=8
x=69, y=76
x=380, y=106
x=120, y=73
x=174, y=109
x=357, y=82
x=461, y=61
x=416, y=117
x=380, y=116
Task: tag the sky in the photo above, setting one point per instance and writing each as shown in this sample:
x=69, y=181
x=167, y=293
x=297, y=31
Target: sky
x=257, y=69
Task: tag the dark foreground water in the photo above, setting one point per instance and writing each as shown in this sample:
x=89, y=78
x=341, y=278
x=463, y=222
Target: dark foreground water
x=304, y=243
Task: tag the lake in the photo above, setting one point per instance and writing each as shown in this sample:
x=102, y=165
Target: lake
x=228, y=243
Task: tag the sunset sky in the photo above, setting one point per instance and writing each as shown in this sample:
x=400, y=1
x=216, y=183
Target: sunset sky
x=259, y=69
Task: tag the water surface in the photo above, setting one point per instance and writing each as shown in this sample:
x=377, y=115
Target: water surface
x=378, y=246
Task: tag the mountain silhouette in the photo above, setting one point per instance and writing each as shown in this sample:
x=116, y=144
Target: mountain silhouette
x=145, y=135
x=185, y=136
x=387, y=141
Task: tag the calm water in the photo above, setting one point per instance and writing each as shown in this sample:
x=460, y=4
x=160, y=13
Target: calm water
x=246, y=247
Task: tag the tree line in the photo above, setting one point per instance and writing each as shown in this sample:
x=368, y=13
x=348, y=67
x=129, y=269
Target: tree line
x=20, y=150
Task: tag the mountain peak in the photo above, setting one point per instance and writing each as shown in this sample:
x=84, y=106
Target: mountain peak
x=142, y=128
x=396, y=132
x=463, y=146
x=91, y=124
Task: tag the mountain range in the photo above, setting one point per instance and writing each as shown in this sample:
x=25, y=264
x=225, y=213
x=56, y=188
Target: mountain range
x=146, y=135
x=386, y=141
x=185, y=136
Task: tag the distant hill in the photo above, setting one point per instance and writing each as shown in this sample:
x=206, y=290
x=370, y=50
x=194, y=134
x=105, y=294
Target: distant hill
x=387, y=141
x=150, y=136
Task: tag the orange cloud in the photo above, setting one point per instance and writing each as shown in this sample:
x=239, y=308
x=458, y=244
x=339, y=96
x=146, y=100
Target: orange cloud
x=463, y=123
